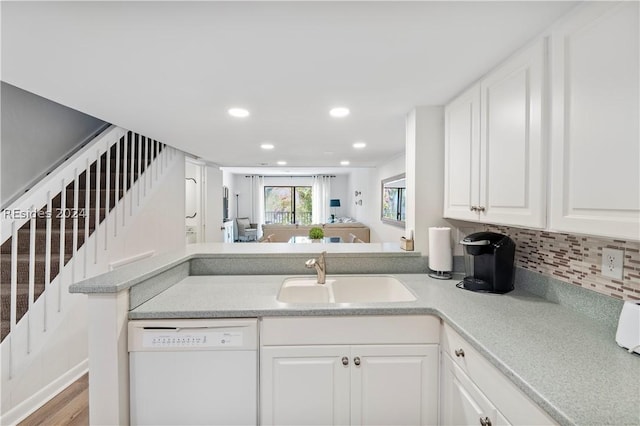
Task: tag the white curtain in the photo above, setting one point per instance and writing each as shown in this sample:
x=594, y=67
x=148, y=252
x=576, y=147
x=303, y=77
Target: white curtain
x=320, y=212
x=257, y=201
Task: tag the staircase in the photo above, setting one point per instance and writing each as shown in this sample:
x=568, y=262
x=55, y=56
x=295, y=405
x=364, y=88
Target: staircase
x=38, y=242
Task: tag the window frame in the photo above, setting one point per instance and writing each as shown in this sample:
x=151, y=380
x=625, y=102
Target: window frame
x=293, y=202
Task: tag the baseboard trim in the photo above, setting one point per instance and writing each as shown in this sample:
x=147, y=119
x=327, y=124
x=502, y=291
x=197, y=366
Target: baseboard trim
x=44, y=395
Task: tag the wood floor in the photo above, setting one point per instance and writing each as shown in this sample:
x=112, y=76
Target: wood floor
x=69, y=407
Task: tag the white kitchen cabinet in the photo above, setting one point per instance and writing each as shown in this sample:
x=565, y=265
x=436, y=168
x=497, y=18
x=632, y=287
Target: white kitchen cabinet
x=595, y=139
x=494, y=151
x=309, y=374
x=463, y=403
x=304, y=385
x=357, y=385
x=394, y=385
x=473, y=390
x=462, y=156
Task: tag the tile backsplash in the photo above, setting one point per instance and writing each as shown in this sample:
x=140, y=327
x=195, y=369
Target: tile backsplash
x=576, y=259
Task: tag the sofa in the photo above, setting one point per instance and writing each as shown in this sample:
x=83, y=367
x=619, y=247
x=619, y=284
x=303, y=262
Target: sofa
x=282, y=233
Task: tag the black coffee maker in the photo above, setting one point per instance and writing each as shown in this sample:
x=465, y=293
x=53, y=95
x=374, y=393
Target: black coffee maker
x=488, y=262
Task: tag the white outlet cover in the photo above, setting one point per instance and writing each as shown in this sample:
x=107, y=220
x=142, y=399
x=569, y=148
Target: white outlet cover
x=612, y=260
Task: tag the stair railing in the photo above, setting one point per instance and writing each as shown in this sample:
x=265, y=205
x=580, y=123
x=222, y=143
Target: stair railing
x=74, y=203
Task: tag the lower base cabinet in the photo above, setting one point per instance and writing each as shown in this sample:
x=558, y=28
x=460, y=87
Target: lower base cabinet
x=357, y=385
x=349, y=371
x=463, y=403
x=474, y=392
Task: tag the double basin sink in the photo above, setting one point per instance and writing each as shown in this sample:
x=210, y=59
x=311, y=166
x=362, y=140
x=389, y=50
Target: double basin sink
x=344, y=289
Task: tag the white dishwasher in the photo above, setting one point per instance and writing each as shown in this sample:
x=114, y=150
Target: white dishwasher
x=193, y=372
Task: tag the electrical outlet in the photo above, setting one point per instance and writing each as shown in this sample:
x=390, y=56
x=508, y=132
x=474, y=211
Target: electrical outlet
x=612, y=263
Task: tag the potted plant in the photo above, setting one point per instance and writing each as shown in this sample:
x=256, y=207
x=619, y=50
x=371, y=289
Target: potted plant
x=316, y=233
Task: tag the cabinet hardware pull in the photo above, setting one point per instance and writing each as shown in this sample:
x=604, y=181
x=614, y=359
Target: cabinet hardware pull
x=459, y=352
x=473, y=208
x=356, y=360
x=345, y=360
x=486, y=421
x=480, y=209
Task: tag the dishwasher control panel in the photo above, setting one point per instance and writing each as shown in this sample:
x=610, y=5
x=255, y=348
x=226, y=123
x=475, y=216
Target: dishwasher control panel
x=180, y=338
x=193, y=335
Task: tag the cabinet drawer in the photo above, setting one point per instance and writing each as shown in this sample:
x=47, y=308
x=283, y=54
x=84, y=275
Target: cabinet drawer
x=285, y=331
x=517, y=407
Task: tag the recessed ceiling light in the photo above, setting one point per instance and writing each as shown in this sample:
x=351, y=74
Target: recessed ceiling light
x=282, y=163
x=359, y=145
x=344, y=163
x=339, y=112
x=267, y=146
x=238, y=112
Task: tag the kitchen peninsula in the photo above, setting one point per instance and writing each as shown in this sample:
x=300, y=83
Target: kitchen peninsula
x=561, y=358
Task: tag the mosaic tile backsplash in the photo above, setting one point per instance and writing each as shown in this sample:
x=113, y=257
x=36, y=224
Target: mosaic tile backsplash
x=576, y=259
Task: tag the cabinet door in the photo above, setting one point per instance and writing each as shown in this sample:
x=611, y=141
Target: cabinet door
x=462, y=402
x=304, y=385
x=512, y=166
x=595, y=136
x=461, y=155
x=394, y=385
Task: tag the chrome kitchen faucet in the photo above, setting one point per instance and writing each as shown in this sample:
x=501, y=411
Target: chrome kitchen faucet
x=320, y=265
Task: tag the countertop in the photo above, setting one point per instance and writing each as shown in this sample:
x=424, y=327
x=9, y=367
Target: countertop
x=566, y=362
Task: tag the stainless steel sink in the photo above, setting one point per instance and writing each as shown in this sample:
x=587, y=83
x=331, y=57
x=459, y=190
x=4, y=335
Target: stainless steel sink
x=345, y=289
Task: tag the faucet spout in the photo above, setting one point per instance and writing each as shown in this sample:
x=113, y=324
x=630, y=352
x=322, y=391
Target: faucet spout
x=320, y=265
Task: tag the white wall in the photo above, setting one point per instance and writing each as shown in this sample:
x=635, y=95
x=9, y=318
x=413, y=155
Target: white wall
x=37, y=134
x=380, y=231
x=340, y=191
x=159, y=224
x=361, y=180
x=425, y=173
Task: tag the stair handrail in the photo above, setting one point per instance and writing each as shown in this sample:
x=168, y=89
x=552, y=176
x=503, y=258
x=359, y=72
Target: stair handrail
x=21, y=210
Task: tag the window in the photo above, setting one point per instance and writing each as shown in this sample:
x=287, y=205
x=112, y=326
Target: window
x=287, y=204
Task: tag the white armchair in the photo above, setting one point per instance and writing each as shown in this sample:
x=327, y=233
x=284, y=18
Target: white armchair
x=247, y=231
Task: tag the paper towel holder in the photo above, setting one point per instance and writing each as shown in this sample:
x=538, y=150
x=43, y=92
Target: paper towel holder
x=440, y=243
x=440, y=275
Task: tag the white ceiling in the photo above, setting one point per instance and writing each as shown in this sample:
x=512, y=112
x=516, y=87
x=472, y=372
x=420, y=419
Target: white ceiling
x=170, y=70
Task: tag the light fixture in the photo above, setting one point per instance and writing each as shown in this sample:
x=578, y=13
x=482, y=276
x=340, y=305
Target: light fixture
x=339, y=112
x=359, y=145
x=238, y=112
x=344, y=163
x=267, y=146
x=282, y=163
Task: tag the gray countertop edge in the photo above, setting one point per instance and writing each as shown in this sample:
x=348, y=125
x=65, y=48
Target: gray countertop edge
x=128, y=276
x=123, y=279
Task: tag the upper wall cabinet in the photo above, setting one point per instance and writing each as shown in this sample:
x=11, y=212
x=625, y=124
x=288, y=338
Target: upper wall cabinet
x=494, y=156
x=595, y=153
x=462, y=156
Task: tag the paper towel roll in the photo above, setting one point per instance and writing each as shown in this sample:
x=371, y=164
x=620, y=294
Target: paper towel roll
x=440, y=257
